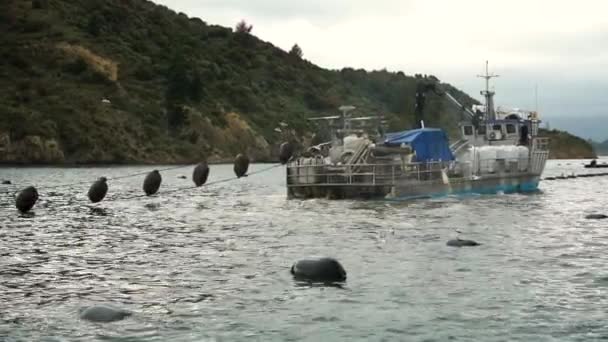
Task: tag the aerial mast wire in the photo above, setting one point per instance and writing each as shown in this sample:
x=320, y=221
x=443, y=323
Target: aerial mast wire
x=489, y=95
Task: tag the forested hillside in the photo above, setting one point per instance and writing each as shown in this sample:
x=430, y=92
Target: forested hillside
x=91, y=81
x=564, y=145
x=600, y=148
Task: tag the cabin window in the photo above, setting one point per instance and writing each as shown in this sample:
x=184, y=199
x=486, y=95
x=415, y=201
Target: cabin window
x=481, y=130
x=468, y=130
x=510, y=128
x=496, y=127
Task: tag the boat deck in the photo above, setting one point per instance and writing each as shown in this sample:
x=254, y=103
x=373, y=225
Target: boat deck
x=311, y=177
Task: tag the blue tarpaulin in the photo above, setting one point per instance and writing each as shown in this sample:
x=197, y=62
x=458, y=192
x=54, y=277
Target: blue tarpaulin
x=430, y=144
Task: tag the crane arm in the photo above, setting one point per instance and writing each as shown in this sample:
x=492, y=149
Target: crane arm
x=424, y=87
x=456, y=103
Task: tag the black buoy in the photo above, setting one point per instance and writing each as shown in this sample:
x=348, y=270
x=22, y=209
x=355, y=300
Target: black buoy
x=462, y=243
x=596, y=217
x=241, y=164
x=7, y=182
x=98, y=190
x=318, y=270
x=103, y=314
x=200, y=174
x=26, y=199
x=182, y=177
x=285, y=152
x=152, y=183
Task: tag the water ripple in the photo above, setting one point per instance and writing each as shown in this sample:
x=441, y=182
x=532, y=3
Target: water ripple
x=213, y=263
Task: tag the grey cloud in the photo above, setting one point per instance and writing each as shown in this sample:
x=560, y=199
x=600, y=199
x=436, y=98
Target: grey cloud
x=282, y=9
x=315, y=11
x=582, y=44
x=569, y=62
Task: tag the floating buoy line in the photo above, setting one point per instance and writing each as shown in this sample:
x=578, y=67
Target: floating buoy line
x=219, y=181
x=574, y=176
x=26, y=199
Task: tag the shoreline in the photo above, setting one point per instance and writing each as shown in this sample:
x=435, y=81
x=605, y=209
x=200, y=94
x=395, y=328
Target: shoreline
x=106, y=165
x=143, y=164
x=118, y=164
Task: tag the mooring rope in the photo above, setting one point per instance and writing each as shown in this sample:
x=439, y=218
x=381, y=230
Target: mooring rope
x=225, y=180
x=113, y=178
x=192, y=187
x=169, y=191
x=573, y=176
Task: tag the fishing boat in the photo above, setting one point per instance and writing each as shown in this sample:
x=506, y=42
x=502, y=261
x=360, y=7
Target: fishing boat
x=496, y=152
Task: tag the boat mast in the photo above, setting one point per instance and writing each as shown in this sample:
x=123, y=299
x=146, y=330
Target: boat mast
x=489, y=95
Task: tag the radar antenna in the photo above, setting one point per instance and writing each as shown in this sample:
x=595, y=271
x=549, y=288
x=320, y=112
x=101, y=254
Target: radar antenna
x=489, y=95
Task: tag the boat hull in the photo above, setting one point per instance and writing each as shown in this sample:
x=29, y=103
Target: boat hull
x=482, y=186
x=522, y=183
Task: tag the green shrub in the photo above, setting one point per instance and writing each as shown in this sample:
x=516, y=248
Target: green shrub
x=39, y=4
x=96, y=77
x=243, y=28
x=144, y=73
x=35, y=25
x=76, y=66
x=95, y=25
x=176, y=116
x=296, y=51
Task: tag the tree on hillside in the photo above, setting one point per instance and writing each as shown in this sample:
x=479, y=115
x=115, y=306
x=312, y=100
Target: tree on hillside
x=95, y=25
x=177, y=91
x=177, y=80
x=243, y=27
x=8, y=13
x=196, y=87
x=296, y=51
x=40, y=4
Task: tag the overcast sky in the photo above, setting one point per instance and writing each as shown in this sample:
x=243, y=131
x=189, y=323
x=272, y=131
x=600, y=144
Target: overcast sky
x=559, y=46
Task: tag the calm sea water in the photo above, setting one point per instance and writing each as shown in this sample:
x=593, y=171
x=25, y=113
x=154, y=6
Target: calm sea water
x=213, y=264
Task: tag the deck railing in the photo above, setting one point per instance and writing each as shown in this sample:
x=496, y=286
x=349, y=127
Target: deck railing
x=314, y=172
x=361, y=174
x=540, y=144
